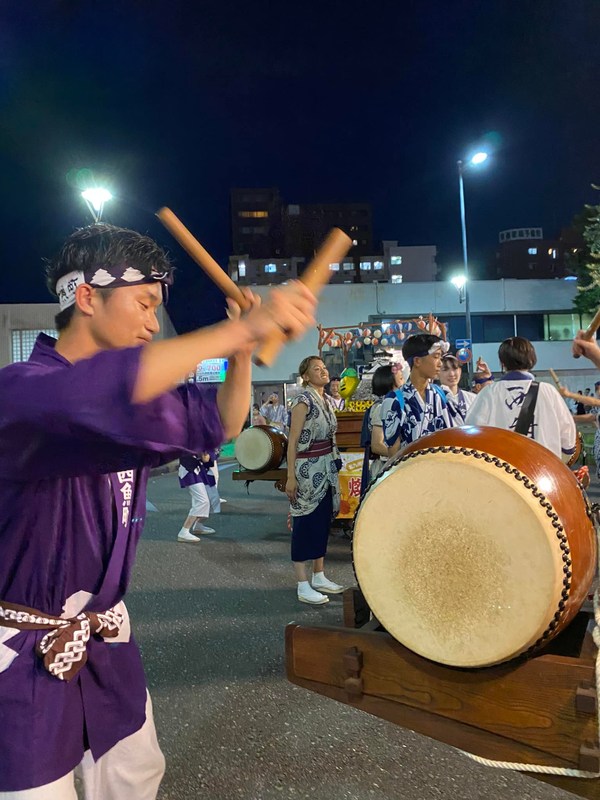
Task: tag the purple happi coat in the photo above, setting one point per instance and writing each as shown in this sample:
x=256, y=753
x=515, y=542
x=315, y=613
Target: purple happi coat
x=75, y=454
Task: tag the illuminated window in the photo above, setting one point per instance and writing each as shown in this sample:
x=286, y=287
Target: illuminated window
x=354, y=241
x=365, y=265
x=270, y=267
x=378, y=265
x=334, y=267
x=23, y=342
x=253, y=214
x=554, y=254
x=396, y=278
x=242, y=269
x=532, y=251
x=396, y=261
x=348, y=265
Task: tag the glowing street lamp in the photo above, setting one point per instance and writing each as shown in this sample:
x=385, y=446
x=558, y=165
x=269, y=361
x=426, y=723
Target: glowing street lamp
x=95, y=200
x=459, y=282
x=474, y=161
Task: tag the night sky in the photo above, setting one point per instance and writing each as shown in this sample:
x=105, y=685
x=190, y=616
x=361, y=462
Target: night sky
x=173, y=103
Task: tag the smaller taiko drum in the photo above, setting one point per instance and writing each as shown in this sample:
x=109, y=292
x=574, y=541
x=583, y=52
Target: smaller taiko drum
x=261, y=448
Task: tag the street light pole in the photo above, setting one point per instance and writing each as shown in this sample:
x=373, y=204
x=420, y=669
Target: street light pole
x=463, y=222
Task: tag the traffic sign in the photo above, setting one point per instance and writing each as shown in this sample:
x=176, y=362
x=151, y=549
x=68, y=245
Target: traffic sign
x=460, y=343
x=464, y=355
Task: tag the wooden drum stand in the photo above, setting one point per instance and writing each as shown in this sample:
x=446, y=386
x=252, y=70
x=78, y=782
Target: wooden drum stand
x=542, y=710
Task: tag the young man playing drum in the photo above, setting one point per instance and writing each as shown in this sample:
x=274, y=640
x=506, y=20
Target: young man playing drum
x=81, y=424
x=420, y=406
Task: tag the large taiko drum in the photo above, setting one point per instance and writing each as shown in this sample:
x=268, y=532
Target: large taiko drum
x=475, y=546
x=260, y=448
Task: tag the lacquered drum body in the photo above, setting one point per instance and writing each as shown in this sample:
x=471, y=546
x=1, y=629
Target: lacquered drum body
x=260, y=448
x=475, y=545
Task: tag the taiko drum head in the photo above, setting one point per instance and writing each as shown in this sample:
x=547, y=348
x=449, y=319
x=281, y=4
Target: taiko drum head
x=460, y=560
x=260, y=448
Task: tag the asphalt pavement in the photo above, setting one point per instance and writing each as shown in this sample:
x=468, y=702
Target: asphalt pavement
x=210, y=620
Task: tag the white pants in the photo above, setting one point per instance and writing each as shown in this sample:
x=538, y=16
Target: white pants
x=131, y=770
x=205, y=500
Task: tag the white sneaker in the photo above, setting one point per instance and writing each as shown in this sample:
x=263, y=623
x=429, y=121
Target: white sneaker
x=222, y=500
x=308, y=595
x=325, y=585
x=199, y=528
x=187, y=537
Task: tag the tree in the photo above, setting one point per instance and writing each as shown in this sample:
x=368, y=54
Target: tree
x=585, y=262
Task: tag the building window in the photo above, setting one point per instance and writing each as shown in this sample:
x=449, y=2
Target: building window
x=396, y=261
x=270, y=267
x=22, y=342
x=561, y=327
x=348, y=265
x=365, y=265
x=253, y=214
x=396, y=278
x=334, y=267
x=242, y=269
x=554, y=254
x=532, y=251
x=531, y=326
x=378, y=265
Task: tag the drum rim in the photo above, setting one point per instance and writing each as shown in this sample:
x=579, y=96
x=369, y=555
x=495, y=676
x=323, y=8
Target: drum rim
x=500, y=463
x=268, y=438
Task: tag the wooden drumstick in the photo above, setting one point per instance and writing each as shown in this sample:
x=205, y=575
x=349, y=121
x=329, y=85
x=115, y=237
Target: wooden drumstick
x=585, y=400
x=591, y=329
x=315, y=276
x=555, y=379
x=193, y=247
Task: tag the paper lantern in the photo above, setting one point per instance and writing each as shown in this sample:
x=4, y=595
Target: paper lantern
x=375, y=341
x=366, y=332
x=377, y=334
x=384, y=342
x=367, y=341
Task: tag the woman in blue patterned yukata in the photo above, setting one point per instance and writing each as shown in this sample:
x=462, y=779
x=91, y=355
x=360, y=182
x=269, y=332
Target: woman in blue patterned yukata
x=312, y=484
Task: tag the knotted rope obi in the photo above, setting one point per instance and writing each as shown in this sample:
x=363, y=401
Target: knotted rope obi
x=64, y=648
x=320, y=447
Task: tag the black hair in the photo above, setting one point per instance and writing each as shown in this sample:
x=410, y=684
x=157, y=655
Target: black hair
x=383, y=380
x=418, y=345
x=103, y=245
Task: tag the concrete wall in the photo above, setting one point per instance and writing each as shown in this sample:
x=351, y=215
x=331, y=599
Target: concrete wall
x=354, y=303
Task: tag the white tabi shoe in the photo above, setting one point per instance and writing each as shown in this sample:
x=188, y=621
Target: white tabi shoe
x=308, y=595
x=188, y=538
x=199, y=528
x=323, y=584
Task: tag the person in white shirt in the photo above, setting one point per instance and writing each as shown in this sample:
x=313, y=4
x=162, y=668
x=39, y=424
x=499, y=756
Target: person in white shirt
x=500, y=404
x=459, y=400
x=334, y=396
x=275, y=413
